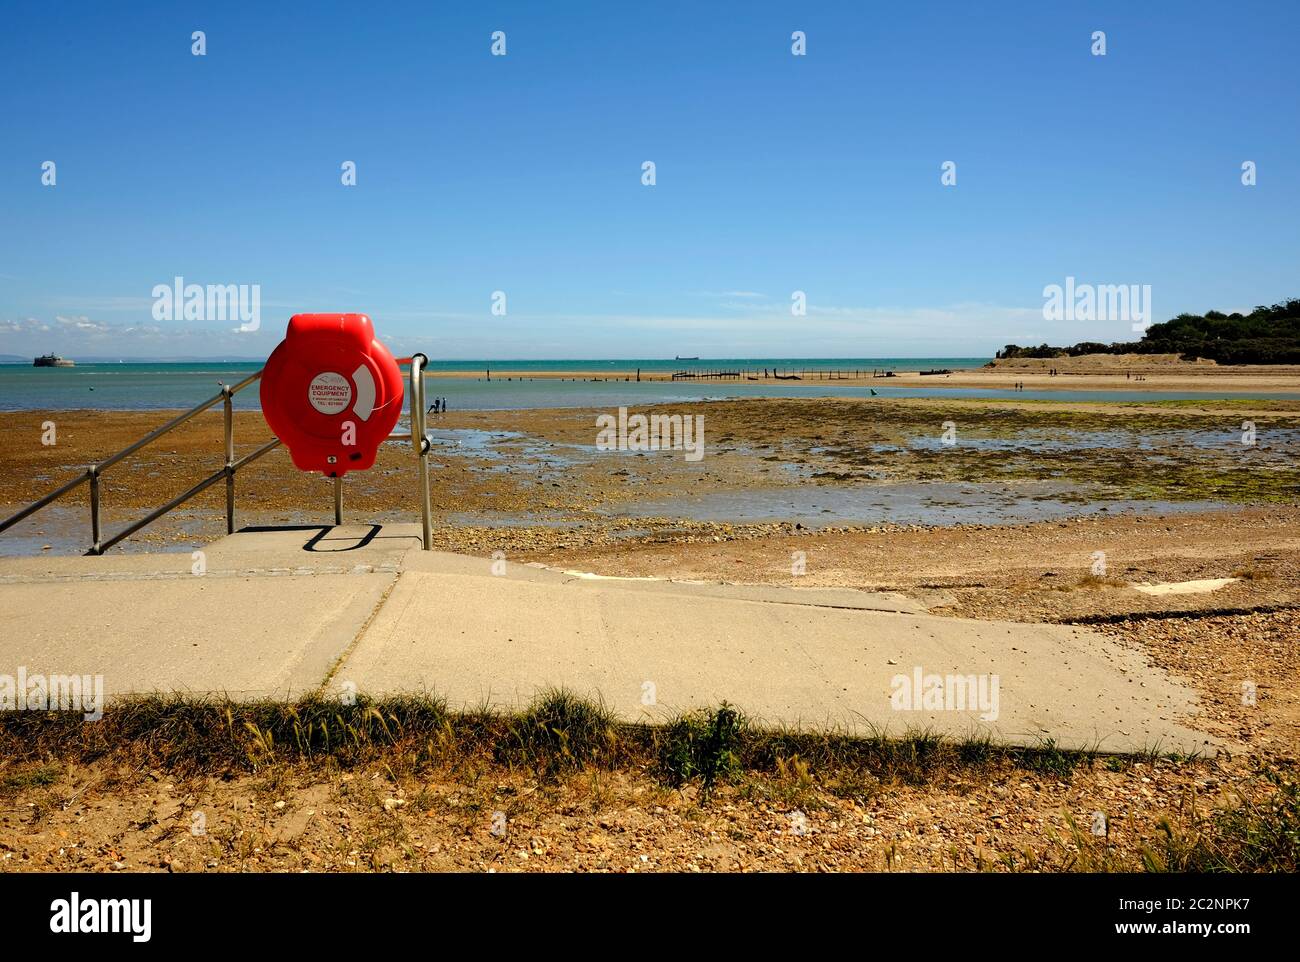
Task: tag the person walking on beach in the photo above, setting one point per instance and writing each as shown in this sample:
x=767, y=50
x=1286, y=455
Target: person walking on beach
x=434, y=406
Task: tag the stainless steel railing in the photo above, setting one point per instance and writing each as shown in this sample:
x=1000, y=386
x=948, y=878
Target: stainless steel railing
x=92, y=474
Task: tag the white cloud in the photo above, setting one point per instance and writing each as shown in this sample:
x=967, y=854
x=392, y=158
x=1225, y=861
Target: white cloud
x=73, y=335
x=755, y=329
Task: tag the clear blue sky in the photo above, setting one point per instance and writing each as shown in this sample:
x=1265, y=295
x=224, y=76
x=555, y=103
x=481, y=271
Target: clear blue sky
x=522, y=173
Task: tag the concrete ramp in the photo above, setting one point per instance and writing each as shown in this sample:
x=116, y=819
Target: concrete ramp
x=246, y=637
x=438, y=562
x=287, y=611
x=496, y=641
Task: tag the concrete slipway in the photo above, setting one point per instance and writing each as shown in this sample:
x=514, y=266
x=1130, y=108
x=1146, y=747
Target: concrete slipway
x=288, y=611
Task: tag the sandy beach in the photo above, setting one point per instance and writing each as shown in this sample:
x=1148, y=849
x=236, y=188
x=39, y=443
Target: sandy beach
x=1006, y=524
x=1098, y=372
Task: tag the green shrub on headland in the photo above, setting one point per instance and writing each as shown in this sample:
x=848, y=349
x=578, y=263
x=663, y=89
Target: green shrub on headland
x=1267, y=335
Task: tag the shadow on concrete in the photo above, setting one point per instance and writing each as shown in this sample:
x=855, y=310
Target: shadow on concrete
x=322, y=532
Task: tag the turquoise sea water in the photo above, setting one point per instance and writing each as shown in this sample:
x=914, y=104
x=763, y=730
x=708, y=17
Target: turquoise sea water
x=169, y=385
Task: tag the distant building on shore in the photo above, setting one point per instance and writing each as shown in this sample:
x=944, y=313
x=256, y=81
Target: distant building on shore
x=52, y=360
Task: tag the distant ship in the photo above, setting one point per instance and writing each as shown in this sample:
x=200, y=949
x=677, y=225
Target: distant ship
x=680, y=358
x=52, y=360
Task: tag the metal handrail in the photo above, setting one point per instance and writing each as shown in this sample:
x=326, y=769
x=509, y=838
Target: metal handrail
x=92, y=474
x=418, y=363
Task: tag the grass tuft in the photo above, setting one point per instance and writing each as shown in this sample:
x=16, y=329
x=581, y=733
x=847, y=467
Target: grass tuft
x=39, y=776
x=1249, y=836
x=558, y=732
x=1050, y=760
x=704, y=745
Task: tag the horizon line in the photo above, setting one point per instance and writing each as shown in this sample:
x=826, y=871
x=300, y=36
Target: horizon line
x=123, y=359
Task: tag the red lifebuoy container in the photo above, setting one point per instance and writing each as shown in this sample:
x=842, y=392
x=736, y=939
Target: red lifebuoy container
x=331, y=392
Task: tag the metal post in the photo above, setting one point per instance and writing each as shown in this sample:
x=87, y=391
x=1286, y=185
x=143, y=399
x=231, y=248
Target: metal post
x=421, y=444
x=230, y=458
x=338, y=501
x=94, y=511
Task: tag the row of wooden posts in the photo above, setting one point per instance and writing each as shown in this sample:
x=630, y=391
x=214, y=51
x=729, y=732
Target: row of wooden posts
x=757, y=374
x=779, y=374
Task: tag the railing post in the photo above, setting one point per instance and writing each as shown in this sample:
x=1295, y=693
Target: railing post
x=421, y=445
x=228, y=403
x=94, y=511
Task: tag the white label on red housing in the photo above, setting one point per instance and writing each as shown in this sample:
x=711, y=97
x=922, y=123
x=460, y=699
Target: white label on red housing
x=365, y=392
x=329, y=393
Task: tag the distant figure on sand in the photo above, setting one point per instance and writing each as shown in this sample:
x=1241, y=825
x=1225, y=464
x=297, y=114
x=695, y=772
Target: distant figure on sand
x=435, y=407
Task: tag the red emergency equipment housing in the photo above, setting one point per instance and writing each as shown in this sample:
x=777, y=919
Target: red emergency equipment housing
x=331, y=392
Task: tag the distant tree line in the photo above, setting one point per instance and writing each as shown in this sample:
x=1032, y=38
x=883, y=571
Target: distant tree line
x=1267, y=335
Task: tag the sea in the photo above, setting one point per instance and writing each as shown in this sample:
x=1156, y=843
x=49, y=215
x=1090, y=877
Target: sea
x=142, y=386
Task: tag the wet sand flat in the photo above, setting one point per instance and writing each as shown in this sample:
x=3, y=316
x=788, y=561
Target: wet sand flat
x=536, y=477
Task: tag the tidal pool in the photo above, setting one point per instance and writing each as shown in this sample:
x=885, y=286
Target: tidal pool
x=931, y=503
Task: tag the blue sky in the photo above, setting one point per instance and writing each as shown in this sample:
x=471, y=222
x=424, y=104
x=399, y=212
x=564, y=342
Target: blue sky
x=522, y=173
